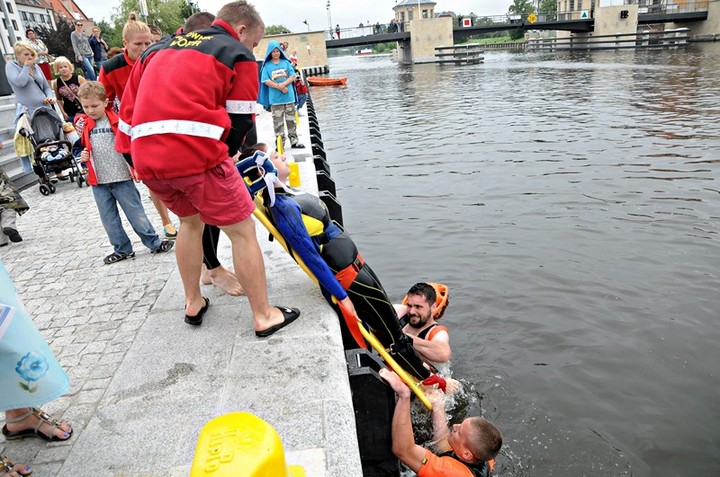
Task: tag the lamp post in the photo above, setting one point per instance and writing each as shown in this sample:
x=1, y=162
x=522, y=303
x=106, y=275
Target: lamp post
x=330, y=28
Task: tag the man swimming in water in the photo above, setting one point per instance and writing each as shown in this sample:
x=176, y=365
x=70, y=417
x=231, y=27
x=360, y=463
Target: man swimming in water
x=429, y=338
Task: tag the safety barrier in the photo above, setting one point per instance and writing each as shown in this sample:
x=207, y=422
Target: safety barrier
x=326, y=184
x=374, y=403
x=315, y=70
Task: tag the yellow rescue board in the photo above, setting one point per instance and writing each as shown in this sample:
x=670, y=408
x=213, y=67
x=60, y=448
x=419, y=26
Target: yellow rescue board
x=415, y=386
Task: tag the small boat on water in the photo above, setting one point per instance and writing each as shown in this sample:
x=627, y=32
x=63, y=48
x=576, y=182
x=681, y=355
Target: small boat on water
x=318, y=81
x=364, y=51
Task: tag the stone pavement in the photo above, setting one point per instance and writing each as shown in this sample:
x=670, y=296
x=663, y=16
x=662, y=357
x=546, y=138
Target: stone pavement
x=143, y=383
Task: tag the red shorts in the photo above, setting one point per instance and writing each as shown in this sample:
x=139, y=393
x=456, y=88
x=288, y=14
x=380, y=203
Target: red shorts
x=219, y=195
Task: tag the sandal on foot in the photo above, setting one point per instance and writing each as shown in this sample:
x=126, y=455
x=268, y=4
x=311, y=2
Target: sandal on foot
x=170, y=231
x=117, y=257
x=289, y=315
x=198, y=319
x=43, y=418
x=6, y=466
x=12, y=234
x=165, y=246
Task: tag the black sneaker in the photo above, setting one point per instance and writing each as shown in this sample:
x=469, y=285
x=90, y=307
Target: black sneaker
x=298, y=145
x=12, y=234
x=165, y=246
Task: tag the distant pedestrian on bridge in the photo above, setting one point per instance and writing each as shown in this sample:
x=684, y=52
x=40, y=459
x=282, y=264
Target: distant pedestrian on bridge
x=337, y=31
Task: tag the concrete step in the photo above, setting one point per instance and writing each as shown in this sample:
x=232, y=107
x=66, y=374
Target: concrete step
x=7, y=99
x=7, y=114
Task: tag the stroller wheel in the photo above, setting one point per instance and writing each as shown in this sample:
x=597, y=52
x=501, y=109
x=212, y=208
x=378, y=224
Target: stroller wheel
x=72, y=177
x=80, y=181
x=44, y=189
x=52, y=188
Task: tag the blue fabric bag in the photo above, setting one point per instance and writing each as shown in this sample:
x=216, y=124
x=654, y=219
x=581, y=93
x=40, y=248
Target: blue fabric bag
x=30, y=375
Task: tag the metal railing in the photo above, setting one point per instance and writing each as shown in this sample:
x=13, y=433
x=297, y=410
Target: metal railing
x=645, y=7
x=365, y=30
x=643, y=39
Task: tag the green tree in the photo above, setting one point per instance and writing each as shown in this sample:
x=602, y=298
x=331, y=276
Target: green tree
x=169, y=15
x=111, y=33
x=276, y=29
x=58, y=41
x=522, y=7
x=547, y=10
x=547, y=6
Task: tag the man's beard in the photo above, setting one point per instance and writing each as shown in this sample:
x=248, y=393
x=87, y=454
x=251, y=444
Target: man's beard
x=421, y=322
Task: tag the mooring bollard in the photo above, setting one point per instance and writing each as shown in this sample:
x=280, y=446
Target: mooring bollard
x=241, y=444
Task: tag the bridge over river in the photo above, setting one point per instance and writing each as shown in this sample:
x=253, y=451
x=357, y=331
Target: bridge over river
x=572, y=21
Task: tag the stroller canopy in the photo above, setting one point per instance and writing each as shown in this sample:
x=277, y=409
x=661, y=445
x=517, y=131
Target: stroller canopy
x=47, y=126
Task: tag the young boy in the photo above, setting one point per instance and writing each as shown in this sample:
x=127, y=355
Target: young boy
x=277, y=91
x=111, y=177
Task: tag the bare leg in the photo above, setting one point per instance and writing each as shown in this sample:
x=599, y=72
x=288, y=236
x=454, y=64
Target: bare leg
x=188, y=253
x=250, y=272
x=205, y=276
x=225, y=280
x=162, y=210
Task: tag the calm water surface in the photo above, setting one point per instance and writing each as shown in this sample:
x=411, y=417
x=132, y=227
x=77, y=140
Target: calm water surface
x=570, y=201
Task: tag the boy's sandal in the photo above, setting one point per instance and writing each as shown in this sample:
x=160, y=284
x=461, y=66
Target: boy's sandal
x=43, y=418
x=6, y=466
x=116, y=257
x=165, y=246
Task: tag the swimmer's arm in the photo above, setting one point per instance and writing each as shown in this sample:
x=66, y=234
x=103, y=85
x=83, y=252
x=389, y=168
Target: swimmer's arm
x=437, y=350
x=439, y=420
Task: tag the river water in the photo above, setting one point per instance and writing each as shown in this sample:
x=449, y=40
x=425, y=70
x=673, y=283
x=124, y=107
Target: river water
x=570, y=201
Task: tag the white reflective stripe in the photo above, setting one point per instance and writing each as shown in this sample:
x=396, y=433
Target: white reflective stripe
x=240, y=107
x=177, y=126
x=124, y=127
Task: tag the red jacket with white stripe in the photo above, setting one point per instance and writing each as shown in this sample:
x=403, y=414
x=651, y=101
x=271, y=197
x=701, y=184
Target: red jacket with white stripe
x=85, y=124
x=188, y=104
x=114, y=75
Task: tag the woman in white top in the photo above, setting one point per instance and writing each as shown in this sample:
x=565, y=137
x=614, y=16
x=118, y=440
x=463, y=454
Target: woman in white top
x=42, y=52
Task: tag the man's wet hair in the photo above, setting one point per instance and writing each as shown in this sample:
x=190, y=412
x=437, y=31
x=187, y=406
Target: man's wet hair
x=422, y=288
x=485, y=441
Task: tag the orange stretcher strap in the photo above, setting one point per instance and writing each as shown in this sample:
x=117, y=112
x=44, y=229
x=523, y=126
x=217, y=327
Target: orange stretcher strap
x=348, y=274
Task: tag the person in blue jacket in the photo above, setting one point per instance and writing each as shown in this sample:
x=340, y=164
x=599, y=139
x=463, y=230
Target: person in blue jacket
x=277, y=92
x=331, y=255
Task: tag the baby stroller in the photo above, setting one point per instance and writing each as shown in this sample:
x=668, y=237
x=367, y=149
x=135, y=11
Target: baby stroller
x=52, y=150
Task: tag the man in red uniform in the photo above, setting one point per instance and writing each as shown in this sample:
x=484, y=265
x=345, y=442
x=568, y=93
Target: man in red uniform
x=186, y=109
x=466, y=450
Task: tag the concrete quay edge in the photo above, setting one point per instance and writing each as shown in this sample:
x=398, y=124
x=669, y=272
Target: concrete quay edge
x=143, y=383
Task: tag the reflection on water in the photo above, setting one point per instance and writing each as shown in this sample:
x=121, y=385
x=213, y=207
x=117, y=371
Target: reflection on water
x=570, y=202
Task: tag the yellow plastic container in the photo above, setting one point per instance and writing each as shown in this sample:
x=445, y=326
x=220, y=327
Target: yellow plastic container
x=241, y=444
x=294, y=178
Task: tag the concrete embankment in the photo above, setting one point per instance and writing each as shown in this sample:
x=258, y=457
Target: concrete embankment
x=143, y=382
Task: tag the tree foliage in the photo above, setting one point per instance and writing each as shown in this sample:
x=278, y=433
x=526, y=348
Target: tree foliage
x=523, y=7
x=58, y=41
x=169, y=15
x=276, y=29
x=547, y=6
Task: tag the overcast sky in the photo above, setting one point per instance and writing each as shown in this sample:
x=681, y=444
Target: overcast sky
x=291, y=13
